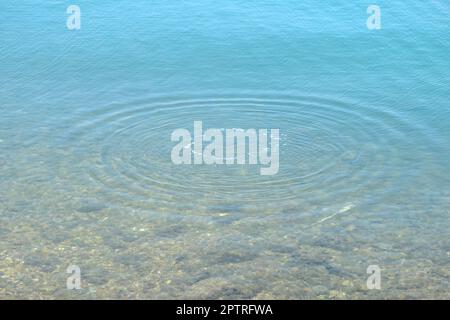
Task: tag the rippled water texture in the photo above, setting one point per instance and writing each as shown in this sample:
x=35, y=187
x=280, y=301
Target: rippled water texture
x=86, y=176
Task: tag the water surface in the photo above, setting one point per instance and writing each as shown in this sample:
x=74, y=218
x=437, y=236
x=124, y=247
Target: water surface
x=85, y=171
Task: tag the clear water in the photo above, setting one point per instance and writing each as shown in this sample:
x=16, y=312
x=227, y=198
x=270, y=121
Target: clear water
x=85, y=171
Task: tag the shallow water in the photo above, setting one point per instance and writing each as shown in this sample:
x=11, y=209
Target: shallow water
x=86, y=176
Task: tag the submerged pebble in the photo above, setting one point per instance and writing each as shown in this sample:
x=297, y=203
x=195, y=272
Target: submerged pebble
x=42, y=262
x=91, y=207
x=224, y=208
x=96, y=275
x=3, y=231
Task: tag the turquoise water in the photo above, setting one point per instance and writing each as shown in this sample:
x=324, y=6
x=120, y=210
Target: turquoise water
x=86, y=176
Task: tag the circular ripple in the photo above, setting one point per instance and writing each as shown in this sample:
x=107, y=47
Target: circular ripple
x=329, y=149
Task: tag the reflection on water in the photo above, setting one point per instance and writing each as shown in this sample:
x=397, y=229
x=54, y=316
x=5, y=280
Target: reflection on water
x=86, y=177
